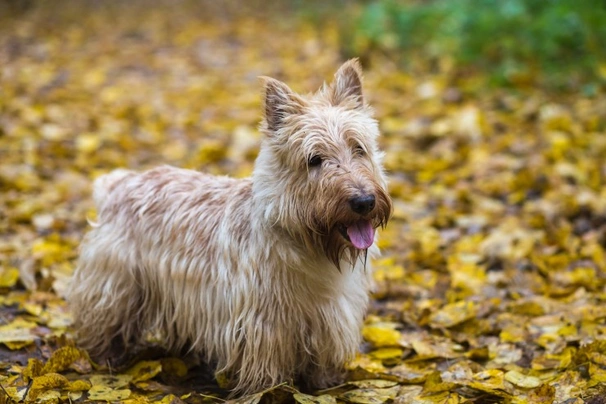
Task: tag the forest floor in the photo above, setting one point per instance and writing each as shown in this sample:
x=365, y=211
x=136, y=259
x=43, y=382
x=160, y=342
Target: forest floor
x=492, y=283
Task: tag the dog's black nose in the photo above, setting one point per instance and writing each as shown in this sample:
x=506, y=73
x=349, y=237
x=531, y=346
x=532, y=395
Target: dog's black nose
x=362, y=204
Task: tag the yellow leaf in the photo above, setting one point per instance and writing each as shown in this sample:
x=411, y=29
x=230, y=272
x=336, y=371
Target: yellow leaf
x=307, y=399
x=387, y=270
x=527, y=307
x=93, y=77
x=554, y=361
x=33, y=308
x=597, y=358
x=386, y=353
x=59, y=316
x=522, y=380
x=410, y=372
x=568, y=330
x=211, y=151
x=49, y=396
x=115, y=381
x=140, y=399
x=8, y=276
x=454, y=313
x=62, y=358
x=580, y=276
x=19, y=331
x=445, y=397
x=505, y=353
x=16, y=345
x=79, y=385
x=106, y=393
x=74, y=395
x=366, y=363
x=381, y=334
x=597, y=374
x=175, y=151
x=435, y=384
x=15, y=393
x=51, y=250
x=144, y=370
x=430, y=346
x=491, y=381
x=88, y=142
x=53, y=132
x=467, y=276
x=542, y=394
x=170, y=399
x=46, y=382
x=373, y=384
x=33, y=369
x=370, y=396
x=513, y=333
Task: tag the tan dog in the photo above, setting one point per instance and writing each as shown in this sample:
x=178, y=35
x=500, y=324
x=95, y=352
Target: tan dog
x=264, y=277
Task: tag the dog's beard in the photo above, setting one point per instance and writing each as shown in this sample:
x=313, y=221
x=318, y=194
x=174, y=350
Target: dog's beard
x=343, y=234
x=337, y=248
x=351, y=235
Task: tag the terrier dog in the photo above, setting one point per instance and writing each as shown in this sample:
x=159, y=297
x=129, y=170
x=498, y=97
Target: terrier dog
x=265, y=278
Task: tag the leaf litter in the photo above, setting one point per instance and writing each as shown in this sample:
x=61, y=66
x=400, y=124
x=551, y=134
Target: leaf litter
x=492, y=284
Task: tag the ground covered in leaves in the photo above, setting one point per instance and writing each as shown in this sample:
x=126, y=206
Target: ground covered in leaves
x=492, y=285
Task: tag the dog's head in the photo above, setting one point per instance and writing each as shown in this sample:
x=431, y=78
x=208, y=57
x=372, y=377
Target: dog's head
x=321, y=166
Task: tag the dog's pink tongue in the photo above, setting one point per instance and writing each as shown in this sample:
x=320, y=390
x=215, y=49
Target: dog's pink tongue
x=361, y=234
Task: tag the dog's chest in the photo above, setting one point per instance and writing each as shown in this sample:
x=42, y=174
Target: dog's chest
x=331, y=304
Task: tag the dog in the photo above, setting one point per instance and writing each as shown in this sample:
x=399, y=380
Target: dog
x=266, y=278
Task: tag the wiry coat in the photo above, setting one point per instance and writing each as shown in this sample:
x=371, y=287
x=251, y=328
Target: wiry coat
x=244, y=272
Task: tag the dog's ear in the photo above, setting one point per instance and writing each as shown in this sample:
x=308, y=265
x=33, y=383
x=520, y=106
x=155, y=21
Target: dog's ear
x=347, y=86
x=280, y=102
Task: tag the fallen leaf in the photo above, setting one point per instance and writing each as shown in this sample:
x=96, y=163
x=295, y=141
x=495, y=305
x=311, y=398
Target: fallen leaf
x=381, y=335
x=18, y=331
x=522, y=380
x=8, y=277
x=106, y=393
x=115, y=381
x=144, y=370
x=63, y=358
x=370, y=396
x=44, y=383
x=307, y=399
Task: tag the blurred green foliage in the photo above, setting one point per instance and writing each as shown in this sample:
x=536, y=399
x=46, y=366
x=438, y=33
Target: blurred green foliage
x=552, y=42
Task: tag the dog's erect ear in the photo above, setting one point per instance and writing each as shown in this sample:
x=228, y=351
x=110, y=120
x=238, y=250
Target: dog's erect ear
x=280, y=102
x=347, y=86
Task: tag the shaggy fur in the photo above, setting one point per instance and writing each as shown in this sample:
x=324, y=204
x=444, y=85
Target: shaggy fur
x=265, y=277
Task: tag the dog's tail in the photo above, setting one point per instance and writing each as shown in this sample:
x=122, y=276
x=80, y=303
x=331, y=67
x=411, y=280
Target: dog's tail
x=104, y=185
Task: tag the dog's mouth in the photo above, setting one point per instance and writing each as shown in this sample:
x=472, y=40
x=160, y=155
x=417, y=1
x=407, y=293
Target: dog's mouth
x=361, y=233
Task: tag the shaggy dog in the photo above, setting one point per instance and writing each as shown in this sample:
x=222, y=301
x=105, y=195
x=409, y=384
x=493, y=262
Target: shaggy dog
x=265, y=277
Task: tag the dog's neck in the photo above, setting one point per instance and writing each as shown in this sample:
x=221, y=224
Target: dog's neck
x=268, y=189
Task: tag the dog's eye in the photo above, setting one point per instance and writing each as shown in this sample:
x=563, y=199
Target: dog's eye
x=314, y=161
x=359, y=150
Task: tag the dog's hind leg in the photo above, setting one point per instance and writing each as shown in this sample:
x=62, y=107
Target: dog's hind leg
x=106, y=301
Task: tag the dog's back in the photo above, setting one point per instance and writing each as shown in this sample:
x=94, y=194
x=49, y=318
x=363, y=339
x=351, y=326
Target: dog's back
x=103, y=185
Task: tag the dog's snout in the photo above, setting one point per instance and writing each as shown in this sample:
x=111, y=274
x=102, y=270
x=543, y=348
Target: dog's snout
x=362, y=204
